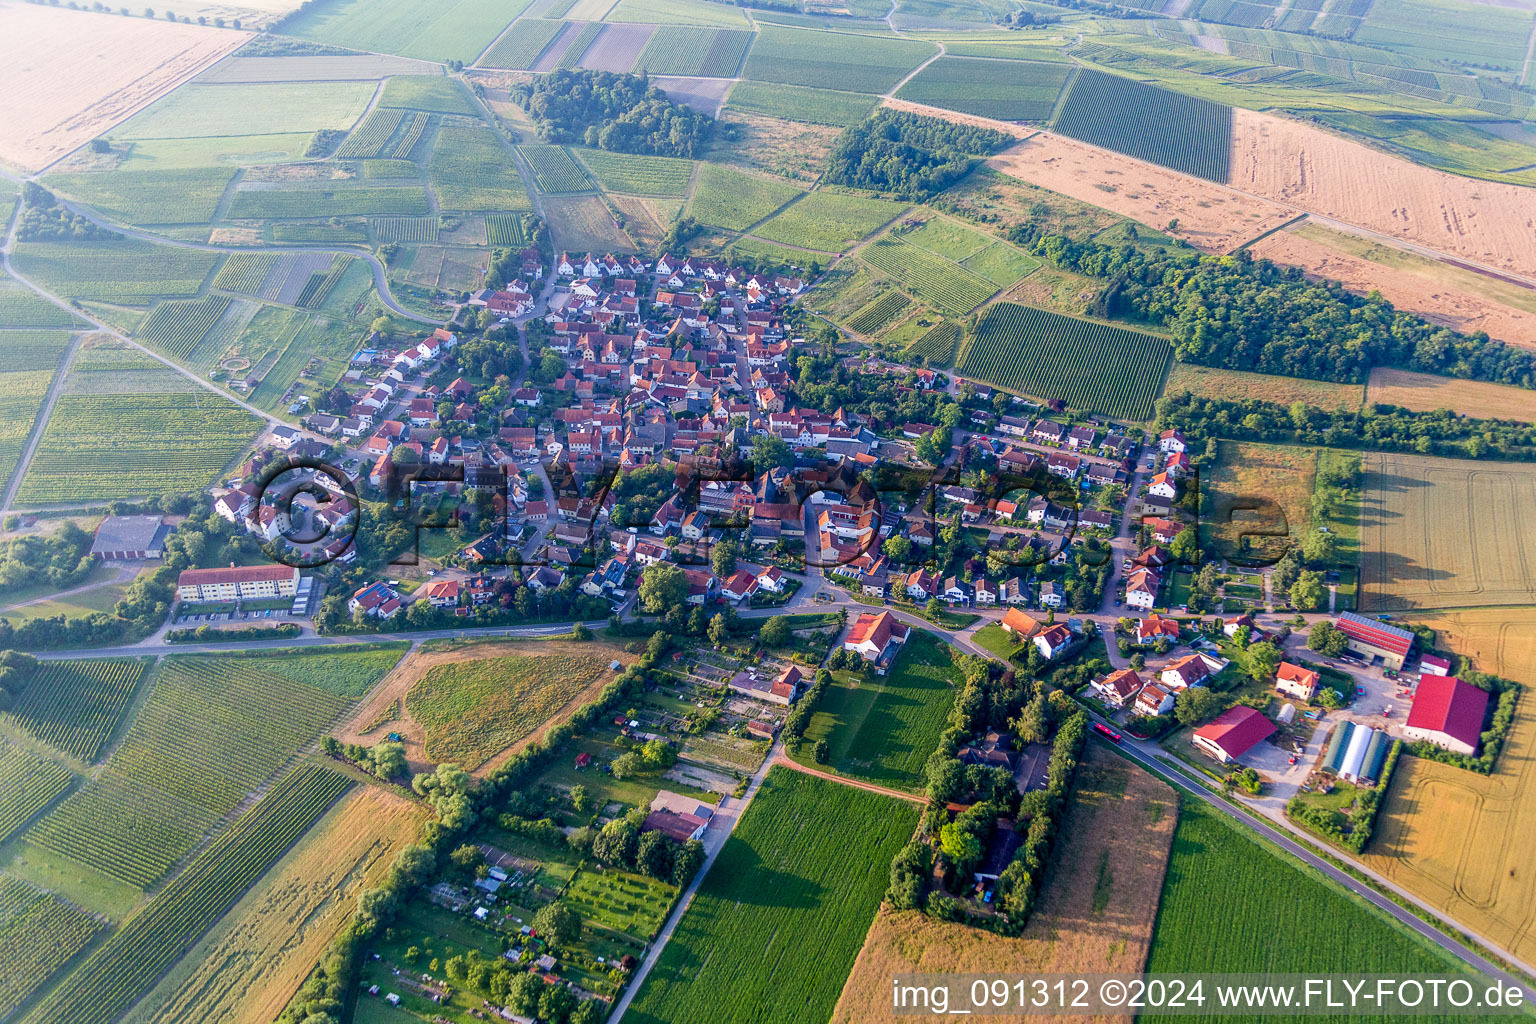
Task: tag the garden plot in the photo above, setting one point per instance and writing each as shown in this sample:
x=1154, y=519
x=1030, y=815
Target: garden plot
x=292, y=275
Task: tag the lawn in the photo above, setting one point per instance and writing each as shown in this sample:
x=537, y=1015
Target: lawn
x=267, y=108
x=777, y=922
x=882, y=729
x=1292, y=919
x=437, y=30
x=724, y=197
x=473, y=709
x=997, y=640
x=830, y=221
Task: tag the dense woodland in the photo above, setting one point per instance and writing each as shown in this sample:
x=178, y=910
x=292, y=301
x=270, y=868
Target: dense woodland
x=909, y=155
x=1245, y=314
x=622, y=113
x=43, y=219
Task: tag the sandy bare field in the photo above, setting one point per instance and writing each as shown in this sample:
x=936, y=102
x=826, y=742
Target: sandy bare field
x=1415, y=291
x=68, y=76
x=1210, y=217
x=1426, y=392
x=1096, y=913
x=1294, y=163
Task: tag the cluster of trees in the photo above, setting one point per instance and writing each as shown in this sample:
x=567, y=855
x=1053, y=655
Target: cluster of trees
x=621, y=844
x=58, y=560
x=15, y=673
x=800, y=712
x=619, y=112
x=491, y=355
x=1246, y=314
x=384, y=760
x=199, y=634
x=1378, y=427
x=907, y=154
x=43, y=219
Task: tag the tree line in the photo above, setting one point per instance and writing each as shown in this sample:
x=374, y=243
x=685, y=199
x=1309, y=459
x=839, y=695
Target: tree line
x=1244, y=314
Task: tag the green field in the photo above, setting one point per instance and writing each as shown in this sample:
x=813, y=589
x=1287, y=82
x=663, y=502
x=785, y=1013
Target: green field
x=215, y=151
x=882, y=729
x=182, y=196
x=678, y=12
x=371, y=137
x=383, y=167
x=775, y=926
x=434, y=94
x=306, y=203
x=410, y=230
x=941, y=282
x=38, y=934
x=577, y=47
x=28, y=361
x=211, y=730
x=1001, y=264
x=177, y=327
x=1476, y=34
x=676, y=50
x=1017, y=90
x=472, y=170
x=555, y=172
x=519, y=49
x=349, y=673
x=938, y=345
x=621, y=901
x=107, y=446
x=245, y=272
x=830, y=221
x=1183, y=132
x=473, y=709
x=1090, y=366
x=798, y=103
x=878, y=313
x=637, y=175
x=1292, y=919
x=833, y=60
x=27, y=784
x=155, y=937
x=20, y=306
x=268, y=108
x=724, y=197
x=76, y=705
x=438, y=30
x=505, y=229
x=126, y=271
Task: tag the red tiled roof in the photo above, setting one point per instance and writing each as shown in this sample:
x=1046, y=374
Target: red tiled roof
x=1449, y=705
x=235, y=574
x=1237, y=729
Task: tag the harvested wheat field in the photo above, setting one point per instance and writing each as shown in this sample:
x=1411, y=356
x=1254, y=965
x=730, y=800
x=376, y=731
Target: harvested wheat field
x=246, y=969
x=1446, y=533
x=1210, y=217
x=1327, y=174
x=1097, y=912
x=1461, y=841
x=1233, y=385
x=1425, y=291
x=69, y=76
x=1425, y=392
x=468, y=682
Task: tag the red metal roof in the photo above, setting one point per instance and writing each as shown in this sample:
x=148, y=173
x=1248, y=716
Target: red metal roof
x=1377, y=634
x=236, y=574
x=1237, y=729
x=1449, y=705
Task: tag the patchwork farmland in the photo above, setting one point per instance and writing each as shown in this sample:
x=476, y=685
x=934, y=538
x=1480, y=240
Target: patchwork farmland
x=1017, y=90
x=1088, y=365
x=1115, y=113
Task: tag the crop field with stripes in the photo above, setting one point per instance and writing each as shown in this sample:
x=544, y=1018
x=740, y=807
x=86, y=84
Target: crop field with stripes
x=1090, y=366
x=682, y=50
x=1185, y=133
x=554, y=170
x=878, y=313
x=941, y=282
x=1015, y=90
x=177, y=327
x=38, y=934
x=76, y=705
x=27, y=784
x=638, y=175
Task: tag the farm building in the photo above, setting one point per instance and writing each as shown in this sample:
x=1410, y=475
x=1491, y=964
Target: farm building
x=1338, y=744
x=1434, y=665
x=1448, y=713
x=237, y=582
x=130, y=538
x=678, y=817
x=1374, y=640
x=877, y=638
x=1233, y=733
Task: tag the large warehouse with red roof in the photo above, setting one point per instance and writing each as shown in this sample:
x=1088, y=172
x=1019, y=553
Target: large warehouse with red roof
x=1233, y=733
x=1448, y=713
x=1372, y=639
